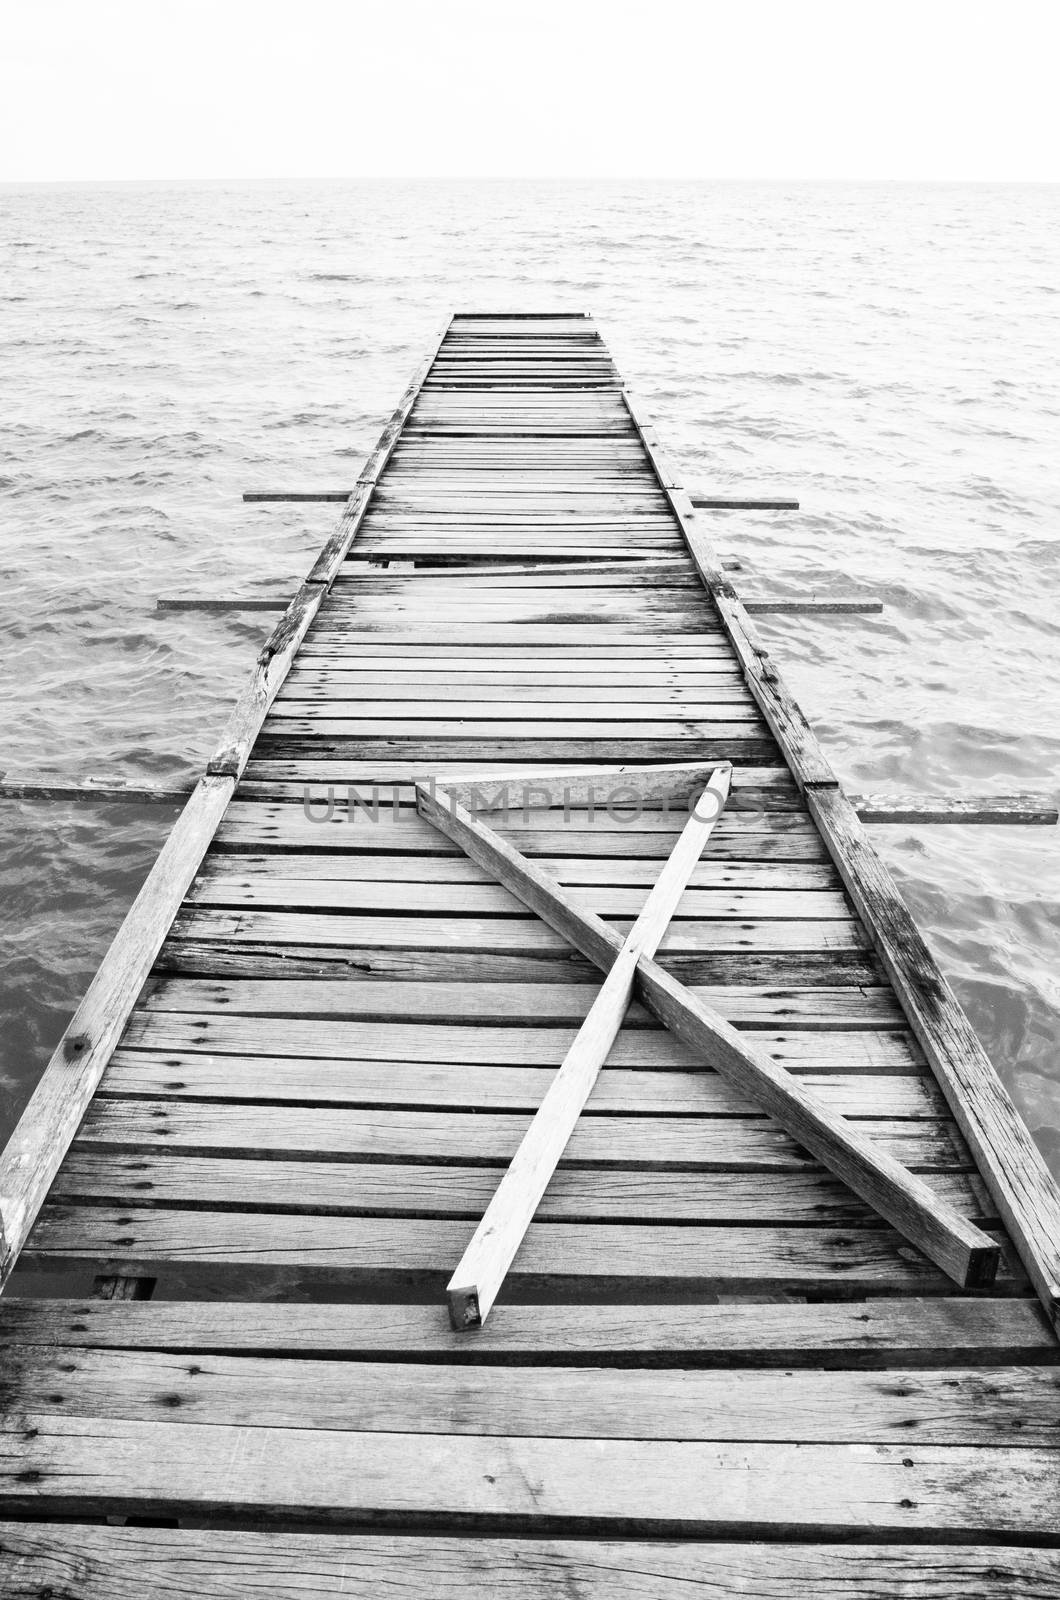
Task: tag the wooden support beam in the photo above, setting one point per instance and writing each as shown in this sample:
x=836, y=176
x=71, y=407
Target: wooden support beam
x=272, y=496
x=761, y=605
x=704, y=502
x=653, y=786
x=962, y=1250
x=194, y=602
x=1032, y=810
x=811, y=605
x=46, y=786
x=477, y=1280
x=701, y=502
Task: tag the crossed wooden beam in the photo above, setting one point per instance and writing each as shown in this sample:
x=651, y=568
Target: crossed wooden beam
x=453, y=805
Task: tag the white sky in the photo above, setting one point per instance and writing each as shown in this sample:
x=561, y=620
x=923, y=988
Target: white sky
x=96, y=89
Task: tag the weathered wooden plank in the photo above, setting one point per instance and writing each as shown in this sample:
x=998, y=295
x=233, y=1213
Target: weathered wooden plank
x=813, y=605
x=658, y=606
x=843, y=1049
x=875, y=1333
x=625, y=795
x=263, y=825
x=474, y=1086
x=253, y=495
x=1014, y=1407
x=234, y=889
x=1035, y=809
x=336, y=713
x=394, y=956
x=192, y=602
x=658, y=574
x=479, y=1275
x=402, y=1190
x=552, y=741
x=905, y=1491
x=765, y=876
x=339, y=694
x=480, y=1138
x=535, y=1004
x=688, y=735
x=638, y=1262
x=126, y=1563
x=344, y=931
x=42, y=1136
x=316, y=783
x=706, y=502
x=600, y=655
x=48, y=786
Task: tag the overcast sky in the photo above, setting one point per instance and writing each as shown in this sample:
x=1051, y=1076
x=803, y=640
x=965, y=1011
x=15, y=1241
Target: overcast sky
x=102, y=89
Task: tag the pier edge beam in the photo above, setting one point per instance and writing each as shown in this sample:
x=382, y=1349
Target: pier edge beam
x=1016, y=1175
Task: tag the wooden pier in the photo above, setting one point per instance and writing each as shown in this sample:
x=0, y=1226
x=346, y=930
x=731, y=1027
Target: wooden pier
x=232, y=1206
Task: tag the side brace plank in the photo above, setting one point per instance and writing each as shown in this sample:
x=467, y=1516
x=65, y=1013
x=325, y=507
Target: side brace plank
x=477, y=1280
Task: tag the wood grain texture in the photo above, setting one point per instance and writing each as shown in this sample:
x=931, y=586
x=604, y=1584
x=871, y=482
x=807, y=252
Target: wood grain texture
x=125, y=1563
x=470, y=1085
x=1013, y=1407
x=480, y=1138
x=380, y=1188
x=637, y=1262
x=519, y=1484
x=875, y=1333
x=851, y=1048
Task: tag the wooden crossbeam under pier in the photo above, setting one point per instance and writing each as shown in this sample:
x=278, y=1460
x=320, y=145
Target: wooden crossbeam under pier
x=756, y=605
x=324, y=1030
x=705, y=502
x=907, y=810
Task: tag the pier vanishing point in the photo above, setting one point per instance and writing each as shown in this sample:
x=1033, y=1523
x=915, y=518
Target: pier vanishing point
x=784, y=1321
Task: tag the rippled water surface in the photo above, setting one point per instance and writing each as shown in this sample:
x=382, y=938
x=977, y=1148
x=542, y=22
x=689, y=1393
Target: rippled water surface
x=888, y=354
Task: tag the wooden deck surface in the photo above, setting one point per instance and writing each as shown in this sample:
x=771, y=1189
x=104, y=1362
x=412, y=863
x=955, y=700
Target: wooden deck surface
x=712, y=1368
